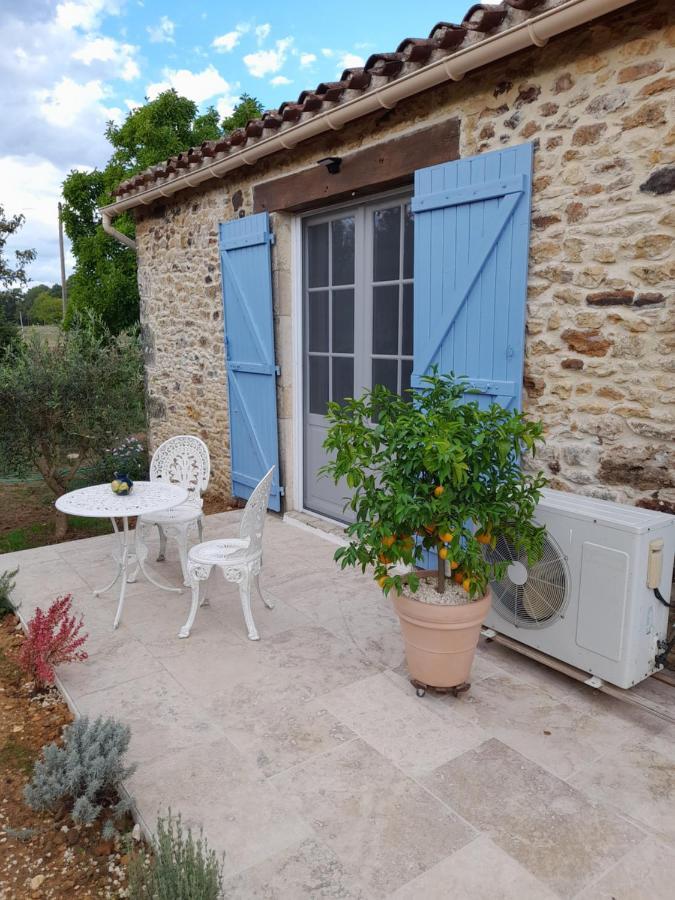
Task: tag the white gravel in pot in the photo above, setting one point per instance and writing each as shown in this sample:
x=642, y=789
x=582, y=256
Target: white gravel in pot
x=454, y=594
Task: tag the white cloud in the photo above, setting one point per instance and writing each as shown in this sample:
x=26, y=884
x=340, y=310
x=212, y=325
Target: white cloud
x=350, y=61
x=84, y=14
x=225, y=105
x=279, y=80
x=262, y=32
x=132, y=104
x=162, y=33
x=107, y=49
x=306, y=59
x=326, y=51
x=32, y=186
x=197, y=86
x=264, y=62
x=225, y=43
x=67, y=100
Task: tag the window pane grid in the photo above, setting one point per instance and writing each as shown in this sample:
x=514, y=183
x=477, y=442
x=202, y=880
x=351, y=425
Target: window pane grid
x=382, y=368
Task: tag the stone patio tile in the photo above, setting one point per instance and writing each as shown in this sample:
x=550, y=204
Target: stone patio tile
x=552, y=829
x=558, y=735
x=276, y=732
x=41, y=582
x=309, y=869
x=646, y=872
x=213, y=786
x=206, y=675
x=162, y=717
x=479, y=871
x=317, y=658
x=160, y=635
x=638, y=781
x=113, y=660
x=408, y=733
x=378, y=821
x=226, y=605
x=523, y=668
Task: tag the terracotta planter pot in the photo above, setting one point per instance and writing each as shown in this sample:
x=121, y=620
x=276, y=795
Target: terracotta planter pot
x=440, y=641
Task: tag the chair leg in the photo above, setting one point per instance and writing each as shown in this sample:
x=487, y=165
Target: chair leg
x=182, y=539
x=266, y=600
x=161, y=556
x=195, y=584
x=245, y=594
x=200, y=529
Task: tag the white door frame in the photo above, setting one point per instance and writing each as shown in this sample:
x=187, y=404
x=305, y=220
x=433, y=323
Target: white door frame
x=297, y=334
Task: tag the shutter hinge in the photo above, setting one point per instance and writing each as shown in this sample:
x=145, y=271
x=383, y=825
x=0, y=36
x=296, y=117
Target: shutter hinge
x=277, y=370
x=272, y=238
x=282, y=491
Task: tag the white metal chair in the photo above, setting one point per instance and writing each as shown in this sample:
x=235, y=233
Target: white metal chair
x=239, y=559
x=182, y=460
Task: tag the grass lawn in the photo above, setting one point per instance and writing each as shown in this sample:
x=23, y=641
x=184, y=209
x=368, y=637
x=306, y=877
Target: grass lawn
x=27, y=518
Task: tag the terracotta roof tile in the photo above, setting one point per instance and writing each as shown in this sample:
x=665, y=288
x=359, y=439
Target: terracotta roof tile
x=444, y=38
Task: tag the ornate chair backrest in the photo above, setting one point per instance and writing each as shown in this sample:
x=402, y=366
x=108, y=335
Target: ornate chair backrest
x=253, y=520
x=183, y=460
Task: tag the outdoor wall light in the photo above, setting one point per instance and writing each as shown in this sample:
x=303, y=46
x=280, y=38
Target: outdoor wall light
x=332, y=164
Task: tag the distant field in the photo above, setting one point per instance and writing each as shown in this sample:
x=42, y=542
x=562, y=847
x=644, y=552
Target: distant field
x=49, y=333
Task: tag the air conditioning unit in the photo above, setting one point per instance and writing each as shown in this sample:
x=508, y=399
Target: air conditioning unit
x=590, y=599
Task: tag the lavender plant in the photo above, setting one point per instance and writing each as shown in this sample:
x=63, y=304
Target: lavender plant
x=6, y=587
x=82, y=775
x=181, y=867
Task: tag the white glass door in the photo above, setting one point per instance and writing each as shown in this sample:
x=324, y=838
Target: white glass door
x=358, y=315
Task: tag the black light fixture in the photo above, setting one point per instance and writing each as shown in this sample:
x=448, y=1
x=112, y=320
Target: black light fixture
x=332, y=164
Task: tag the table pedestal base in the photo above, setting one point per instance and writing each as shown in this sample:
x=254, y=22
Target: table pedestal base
x=130, y=558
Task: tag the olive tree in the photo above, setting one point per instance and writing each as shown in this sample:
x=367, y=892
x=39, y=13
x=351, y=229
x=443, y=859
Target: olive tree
x=63, y=404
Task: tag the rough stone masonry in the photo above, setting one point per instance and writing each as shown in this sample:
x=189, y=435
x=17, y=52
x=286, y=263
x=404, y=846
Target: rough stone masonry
x=600, y=366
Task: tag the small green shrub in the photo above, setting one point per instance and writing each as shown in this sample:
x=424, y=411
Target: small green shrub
x=129, y=457
x=182, y=868
x=83, y=774
x=7, y=585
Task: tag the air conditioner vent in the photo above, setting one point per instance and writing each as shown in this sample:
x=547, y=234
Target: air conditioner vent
x=530, y=596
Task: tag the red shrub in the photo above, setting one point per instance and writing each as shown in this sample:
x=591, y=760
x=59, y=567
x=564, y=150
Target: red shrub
x=53, y=637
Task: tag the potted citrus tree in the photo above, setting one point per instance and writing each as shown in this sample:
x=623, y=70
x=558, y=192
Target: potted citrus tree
x=435, y=477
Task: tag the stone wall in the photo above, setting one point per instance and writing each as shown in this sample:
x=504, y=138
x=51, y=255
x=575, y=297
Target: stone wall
x=600, y=368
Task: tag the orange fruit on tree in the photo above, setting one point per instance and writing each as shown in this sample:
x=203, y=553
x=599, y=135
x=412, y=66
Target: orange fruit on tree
x=483, y=537
x=446, y=537
x=388, y=540
x=430, y=528
x=454, y=565
x=382, y=580
x=439, y=490
x=458, y=577
x=383, y=558
x=466, y=584
x=443, y=553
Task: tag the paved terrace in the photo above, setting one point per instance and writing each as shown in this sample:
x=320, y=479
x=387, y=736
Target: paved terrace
x=309, y=760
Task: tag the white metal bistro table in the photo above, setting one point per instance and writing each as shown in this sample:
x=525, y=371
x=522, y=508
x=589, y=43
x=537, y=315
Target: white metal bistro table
x=99, y=502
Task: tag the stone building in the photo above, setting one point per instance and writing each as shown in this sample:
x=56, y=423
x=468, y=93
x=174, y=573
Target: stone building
x=587, y=86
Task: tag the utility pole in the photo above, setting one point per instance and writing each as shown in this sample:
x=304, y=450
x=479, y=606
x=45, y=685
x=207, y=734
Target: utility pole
x=64, y=290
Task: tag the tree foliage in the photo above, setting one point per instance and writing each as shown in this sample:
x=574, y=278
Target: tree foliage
x=63, y=404
x=13, y=277
x=434, y=473
x=12, y=274
x=248, y=108
x=105, y=273
x=46, y=309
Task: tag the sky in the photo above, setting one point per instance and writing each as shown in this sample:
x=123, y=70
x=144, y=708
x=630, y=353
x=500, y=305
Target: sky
x=68, y=67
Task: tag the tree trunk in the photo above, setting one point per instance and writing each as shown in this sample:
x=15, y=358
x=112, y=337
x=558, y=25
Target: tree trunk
x=440, y=573
x=61, y=525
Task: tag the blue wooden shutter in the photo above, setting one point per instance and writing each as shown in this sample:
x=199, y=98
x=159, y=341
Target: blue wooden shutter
x=472, y=224
x=249, y=342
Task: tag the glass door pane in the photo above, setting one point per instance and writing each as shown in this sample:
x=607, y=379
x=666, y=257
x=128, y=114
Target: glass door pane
x=392, y=296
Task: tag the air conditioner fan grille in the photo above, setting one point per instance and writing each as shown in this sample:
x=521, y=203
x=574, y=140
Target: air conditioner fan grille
x=530, y=596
